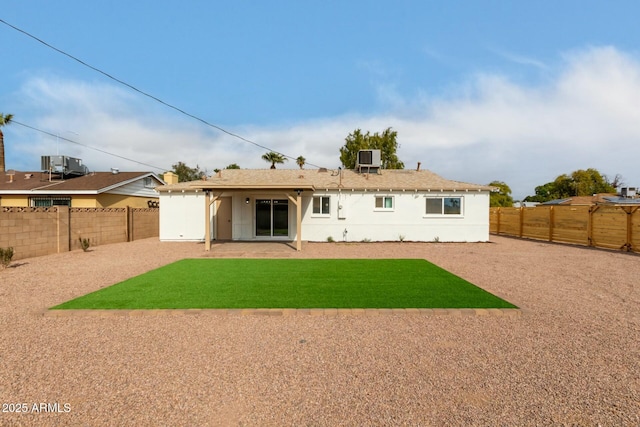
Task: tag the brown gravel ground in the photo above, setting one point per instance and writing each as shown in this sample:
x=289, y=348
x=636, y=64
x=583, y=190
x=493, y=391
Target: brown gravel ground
x=572, y=357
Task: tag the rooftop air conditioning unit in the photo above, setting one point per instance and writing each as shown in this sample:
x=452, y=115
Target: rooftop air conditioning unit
x=368, y=159
x=629, y=192
x=63, y=165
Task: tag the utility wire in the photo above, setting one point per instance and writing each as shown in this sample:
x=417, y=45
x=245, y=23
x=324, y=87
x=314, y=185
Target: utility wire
x=87, y=146
x=148, y=95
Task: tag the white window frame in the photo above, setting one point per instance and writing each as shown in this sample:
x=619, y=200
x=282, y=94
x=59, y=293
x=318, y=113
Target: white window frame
x=321, y=214
x=148, y=182
x=384, y=197
x=442, y=214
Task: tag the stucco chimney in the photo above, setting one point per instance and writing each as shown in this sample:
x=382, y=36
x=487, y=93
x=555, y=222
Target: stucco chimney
x=170, y=178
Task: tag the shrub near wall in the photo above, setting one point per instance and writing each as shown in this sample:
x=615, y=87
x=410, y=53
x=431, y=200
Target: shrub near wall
x=42, y=231
x=101, y=225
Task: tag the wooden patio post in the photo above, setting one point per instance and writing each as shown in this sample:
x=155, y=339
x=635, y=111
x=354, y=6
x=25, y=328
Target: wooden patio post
x=207, y=222
x=298, y=202
x=208, y=201
x=299, y=223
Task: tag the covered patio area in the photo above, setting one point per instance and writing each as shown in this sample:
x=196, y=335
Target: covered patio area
x=257, y=198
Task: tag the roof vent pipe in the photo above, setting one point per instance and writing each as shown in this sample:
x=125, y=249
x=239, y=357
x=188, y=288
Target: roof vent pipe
x=418, y=168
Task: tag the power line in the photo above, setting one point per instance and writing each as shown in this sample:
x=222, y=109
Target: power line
x=148, y=95
x=88, y=146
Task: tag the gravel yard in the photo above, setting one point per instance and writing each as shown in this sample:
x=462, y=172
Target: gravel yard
x=572, y=356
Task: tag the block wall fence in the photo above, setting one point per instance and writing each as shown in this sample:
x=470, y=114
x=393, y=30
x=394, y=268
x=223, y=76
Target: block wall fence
x=610, y=227
x=48, y=230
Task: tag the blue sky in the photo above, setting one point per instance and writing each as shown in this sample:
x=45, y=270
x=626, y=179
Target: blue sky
x=478, y=91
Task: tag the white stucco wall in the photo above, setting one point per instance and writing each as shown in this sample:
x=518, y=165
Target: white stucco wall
x=407, y=218
x=182, y=217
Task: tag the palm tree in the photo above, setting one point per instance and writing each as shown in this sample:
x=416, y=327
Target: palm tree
x=273, y=158
x=5, y=119
x=300, y=161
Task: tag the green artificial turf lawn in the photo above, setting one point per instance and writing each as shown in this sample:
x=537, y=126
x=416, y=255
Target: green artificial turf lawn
x=291, y=283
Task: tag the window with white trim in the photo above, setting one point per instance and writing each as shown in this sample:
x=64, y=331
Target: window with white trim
x=149, y=182
x=321, y=205
x=443, y=206
x=384, y=203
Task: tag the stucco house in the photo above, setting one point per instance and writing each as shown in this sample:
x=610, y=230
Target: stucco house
x=93, y=190
x=320, y=204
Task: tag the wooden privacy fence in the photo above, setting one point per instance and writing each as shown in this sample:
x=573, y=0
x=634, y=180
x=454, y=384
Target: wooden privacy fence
x=611, y=227
x=46, y=230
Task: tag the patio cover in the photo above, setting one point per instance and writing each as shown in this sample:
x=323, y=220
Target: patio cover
x=213, y=190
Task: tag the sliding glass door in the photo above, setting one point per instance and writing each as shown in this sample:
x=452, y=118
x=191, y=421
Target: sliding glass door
x=272, y=218
x=263, y=217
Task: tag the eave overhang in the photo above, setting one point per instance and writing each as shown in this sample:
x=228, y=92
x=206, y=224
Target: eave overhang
x=204, y=186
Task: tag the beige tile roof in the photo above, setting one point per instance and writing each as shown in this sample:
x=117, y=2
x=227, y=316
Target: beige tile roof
x=387, y=179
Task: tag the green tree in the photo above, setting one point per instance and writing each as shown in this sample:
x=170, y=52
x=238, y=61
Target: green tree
x=579, y=183
x=563, y=187
x=5, y=119
x=386, y=142
x=544, y=193
x=300, y=161
x=233, y=166
x=186, y=173
x=501, y=198
x=273, y=158
x=590, y=181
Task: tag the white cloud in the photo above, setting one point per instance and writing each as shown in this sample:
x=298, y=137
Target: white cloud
x=586, y=115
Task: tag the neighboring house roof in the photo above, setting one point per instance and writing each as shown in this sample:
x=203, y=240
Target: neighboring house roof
x=92, y=183
x=556, y=202
x=617, y=200
x=596, y=199
x=322, y=179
